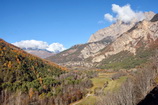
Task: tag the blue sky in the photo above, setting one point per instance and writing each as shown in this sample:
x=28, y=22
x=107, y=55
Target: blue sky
x=68, y=22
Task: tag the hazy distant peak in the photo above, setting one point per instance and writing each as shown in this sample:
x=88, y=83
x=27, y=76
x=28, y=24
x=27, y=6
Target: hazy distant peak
x=40, y=45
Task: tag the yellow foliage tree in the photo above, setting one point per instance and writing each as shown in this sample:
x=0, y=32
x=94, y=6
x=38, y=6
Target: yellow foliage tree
x=31, y=92
x=9, y=64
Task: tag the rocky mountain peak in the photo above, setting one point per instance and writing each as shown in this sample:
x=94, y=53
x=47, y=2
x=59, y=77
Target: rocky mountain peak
x=116, y=29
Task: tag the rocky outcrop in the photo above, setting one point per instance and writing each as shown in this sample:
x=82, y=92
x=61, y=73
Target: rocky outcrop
x=80, y=55
x=116, y=29
x=93, y=48
x=145, y=32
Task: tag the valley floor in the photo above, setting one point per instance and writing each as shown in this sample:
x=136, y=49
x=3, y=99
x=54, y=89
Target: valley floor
x=98, y=82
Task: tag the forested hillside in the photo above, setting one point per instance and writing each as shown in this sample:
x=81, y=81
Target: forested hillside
x=26, y=79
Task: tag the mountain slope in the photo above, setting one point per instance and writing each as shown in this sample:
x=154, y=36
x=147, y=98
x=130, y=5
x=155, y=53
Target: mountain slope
x=28, y=80
x=132, y=48
x=20, y=71
x=80, y=55
x=17, y=65
x=142, y=35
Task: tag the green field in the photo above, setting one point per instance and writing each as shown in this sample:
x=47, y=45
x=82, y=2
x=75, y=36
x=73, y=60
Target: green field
x=91, y=100
x=99, y=81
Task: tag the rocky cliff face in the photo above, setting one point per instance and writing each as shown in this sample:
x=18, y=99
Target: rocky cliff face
x=116, y=29
x=88, y=55
x=143, y=34
x=80, y=55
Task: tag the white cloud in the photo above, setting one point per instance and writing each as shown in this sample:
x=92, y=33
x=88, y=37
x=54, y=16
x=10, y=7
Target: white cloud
x=109, y=17
x=124, y=14
x=56, y=47
x=35, y=44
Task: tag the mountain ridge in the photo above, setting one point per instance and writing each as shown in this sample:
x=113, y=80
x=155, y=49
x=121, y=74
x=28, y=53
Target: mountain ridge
x=116, y=29
x=94, y=52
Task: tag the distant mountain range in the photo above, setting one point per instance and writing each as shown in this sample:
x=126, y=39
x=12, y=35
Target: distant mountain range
x=114, y=45
x=40, y=53
x=40, y=48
